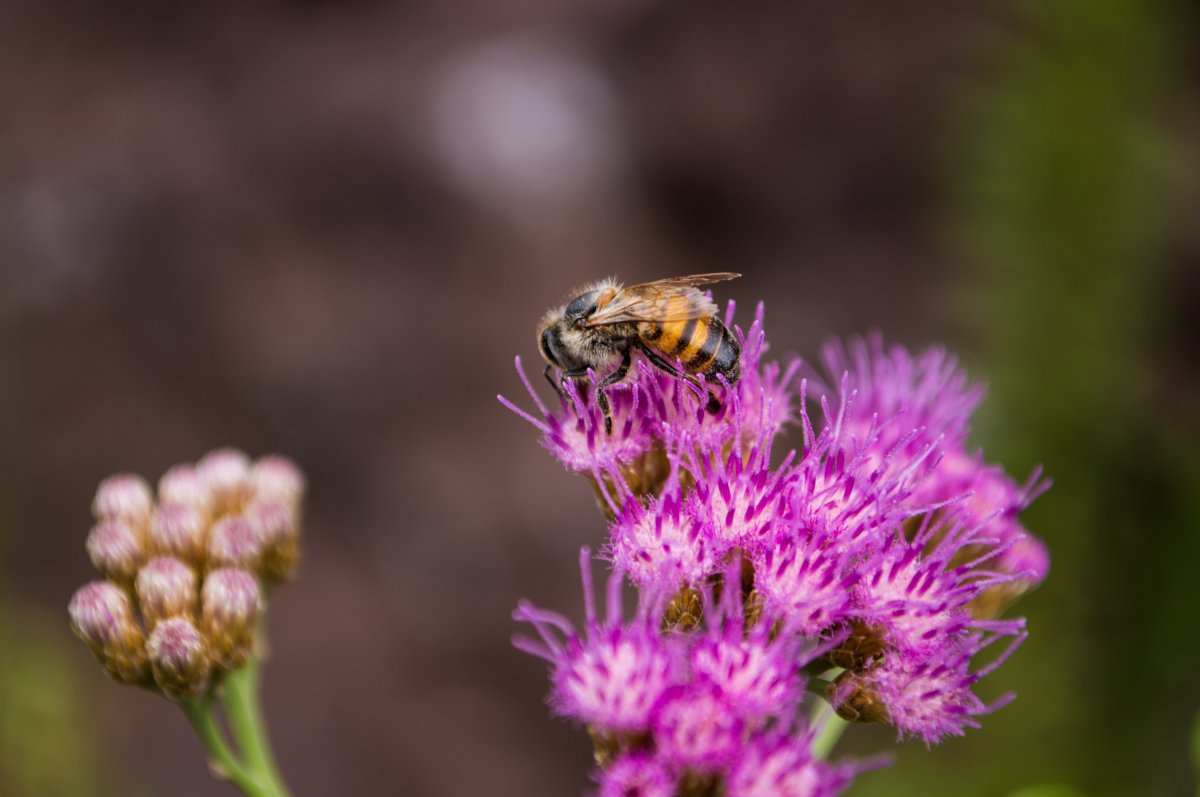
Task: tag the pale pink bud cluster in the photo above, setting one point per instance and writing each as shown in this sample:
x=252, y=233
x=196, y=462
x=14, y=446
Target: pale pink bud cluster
x=185, y=570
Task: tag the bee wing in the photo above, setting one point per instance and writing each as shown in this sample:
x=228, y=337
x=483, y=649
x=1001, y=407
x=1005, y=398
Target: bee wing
x=666, y=300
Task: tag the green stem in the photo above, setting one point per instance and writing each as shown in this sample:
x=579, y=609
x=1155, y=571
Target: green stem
x=221, y=760
x=244, y=710
x=831, y=728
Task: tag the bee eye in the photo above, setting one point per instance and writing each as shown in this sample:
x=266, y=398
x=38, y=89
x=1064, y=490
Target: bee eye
x=548, y=346
x=580, y=308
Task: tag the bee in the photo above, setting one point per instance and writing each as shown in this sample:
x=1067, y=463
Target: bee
x=668, y=321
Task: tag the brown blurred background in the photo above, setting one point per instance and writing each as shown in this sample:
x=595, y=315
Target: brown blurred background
x=325, y=229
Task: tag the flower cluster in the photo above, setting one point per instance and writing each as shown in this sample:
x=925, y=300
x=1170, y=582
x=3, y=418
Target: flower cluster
x=868, y=568
x=673, y=710
x=184, y=572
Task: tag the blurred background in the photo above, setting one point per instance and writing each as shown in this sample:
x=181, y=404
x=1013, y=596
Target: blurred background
x=325, y=229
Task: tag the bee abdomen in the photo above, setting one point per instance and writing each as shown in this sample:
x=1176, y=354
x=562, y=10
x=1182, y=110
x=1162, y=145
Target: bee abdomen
x=702, y=345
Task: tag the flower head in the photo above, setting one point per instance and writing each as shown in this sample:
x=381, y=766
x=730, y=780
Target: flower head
x=613, y=675
x=636, y=775
x=929, y=698
x=780, y=765
x=660, y=544
x=698, y=728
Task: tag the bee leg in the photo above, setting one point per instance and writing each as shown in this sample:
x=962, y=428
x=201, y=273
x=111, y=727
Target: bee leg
x=602, y=397
x=563, y=376
x=562, y=394
x=658, y=362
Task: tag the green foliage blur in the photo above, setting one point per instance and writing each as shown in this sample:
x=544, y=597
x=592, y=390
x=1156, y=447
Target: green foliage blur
x=45, y=748
x=1064, y=172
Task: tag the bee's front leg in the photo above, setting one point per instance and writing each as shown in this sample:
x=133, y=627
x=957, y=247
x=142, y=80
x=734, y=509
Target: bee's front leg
x=563, y=378
x=554, y=383
x=611, y=379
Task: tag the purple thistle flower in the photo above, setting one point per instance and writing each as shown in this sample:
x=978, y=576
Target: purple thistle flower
x=765, y=389
x=930, y=698
x=805, y=582
x=756, y=671
x=927, y=392
x=636, y=775
x=916, y=601
x=782, y=765
x=660, y=545
x=847, y=486
x=613, y=675
x=741, y=502
x=577, y=438
x=698, y=728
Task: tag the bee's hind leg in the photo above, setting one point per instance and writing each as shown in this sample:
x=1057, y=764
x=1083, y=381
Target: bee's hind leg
x=714, y=404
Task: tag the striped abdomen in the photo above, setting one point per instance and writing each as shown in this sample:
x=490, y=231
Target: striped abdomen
x=703, y=345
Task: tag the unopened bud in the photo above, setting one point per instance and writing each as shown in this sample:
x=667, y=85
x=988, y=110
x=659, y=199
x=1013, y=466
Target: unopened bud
x=863, y=648
x=226, y=471
x=232, y=542
x=178, y=530
x=183, y=484
x=230, y=603
x=101, y=616
x=643, y=476
x=116, y=550
x=123, y=497
x=277, y=527
x=854, y=700
x=166, y=587
x=278, y=478
x=684, y=611
x=178, y=657
x=1027, y=559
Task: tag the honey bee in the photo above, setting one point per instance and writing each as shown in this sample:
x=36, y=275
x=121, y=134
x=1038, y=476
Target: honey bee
x=668, y=321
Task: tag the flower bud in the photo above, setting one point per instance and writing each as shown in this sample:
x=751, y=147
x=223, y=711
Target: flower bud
x=166, y=587
x=178, y=530
x=116, y=550
x=278, y=529
x=230, y=603
x=234, y=543
x=854, y=700
x=101, y=616
x=1027, y=560
x=123, y=497
x=226, y=471
x=276, y=477
x=178, y=657
x=183, y=484
x=863, y=648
